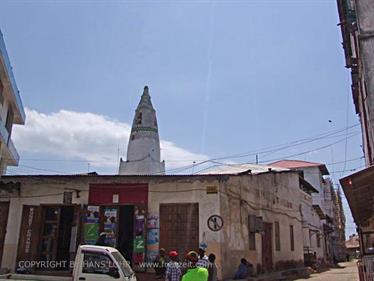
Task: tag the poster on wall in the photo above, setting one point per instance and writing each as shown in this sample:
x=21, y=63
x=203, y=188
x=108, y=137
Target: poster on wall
x=139, y=241
x=139, y=244
x=92, y=214
x=152, y=236
x=152, y=221
x=110, y=222
x=139, y=225
x=91, y=226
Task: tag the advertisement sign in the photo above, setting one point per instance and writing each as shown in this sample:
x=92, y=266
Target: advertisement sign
x=110, y=223
x=91, y=227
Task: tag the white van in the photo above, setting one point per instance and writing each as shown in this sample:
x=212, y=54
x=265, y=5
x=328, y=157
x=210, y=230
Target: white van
x=92, y=263
x=98, y=263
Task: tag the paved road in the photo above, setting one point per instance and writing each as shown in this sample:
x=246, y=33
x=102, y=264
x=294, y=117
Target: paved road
x=347, y=272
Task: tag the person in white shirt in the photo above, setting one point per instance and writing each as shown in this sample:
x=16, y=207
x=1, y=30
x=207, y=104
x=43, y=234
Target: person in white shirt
x=203, y=259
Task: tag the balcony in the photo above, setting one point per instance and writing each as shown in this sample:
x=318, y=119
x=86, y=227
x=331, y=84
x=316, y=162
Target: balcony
x=10, y=155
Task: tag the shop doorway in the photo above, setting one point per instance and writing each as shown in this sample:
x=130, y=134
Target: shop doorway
x=57, y=222
x=64, y=233
x=126, y=231
x=4, y=210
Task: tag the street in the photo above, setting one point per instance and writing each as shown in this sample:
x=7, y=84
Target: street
x=347, y=272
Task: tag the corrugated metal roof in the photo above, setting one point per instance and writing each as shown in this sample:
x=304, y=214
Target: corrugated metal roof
x=240, y=169
x=224, y=169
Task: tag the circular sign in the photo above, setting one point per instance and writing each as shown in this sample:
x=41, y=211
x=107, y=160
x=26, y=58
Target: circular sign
x=215, y=223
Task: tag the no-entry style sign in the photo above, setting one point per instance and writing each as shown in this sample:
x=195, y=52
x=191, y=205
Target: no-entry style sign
x=215, y=223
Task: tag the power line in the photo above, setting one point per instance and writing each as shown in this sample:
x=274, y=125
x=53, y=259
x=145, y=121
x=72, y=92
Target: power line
x=283, y=147
x=270, y=149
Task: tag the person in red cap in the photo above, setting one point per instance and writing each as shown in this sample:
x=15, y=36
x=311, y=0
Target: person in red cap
x=173, y=269
x=195, y=273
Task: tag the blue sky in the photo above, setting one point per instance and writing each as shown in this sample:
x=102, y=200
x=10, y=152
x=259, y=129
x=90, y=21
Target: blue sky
x=225, y=77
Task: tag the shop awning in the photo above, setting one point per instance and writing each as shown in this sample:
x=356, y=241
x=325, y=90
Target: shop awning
x=359, y=190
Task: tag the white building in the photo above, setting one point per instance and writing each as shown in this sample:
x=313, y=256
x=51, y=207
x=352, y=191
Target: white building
x=143, y=152
x=11, y=110
x=318, y=212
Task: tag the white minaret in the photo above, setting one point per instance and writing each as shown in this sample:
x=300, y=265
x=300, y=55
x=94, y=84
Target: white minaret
x=143, y=151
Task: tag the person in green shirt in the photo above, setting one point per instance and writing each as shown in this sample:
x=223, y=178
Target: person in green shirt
x=193, y=272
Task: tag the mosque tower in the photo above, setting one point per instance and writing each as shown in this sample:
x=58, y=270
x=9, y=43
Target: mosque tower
x=143, y=151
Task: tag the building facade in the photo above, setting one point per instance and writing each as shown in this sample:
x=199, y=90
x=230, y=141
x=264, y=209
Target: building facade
x=357, y=28
x=323, y=216
x=11, y=110
x=254, y=215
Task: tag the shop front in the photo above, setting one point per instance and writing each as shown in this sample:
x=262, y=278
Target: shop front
x=49, y=235
x=120, y=211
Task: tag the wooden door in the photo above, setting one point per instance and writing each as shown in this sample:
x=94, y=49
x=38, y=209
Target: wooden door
x=267, y=247
x=4, y=210
x=29, y=234
x=179, y=227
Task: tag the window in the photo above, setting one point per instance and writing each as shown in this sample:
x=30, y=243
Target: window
x=96, y=263
x=319, y=240
x=139, y=118
x=277, y=236
x=1, y=92
x=126, y=269
x=9, y=121
x=252, y=232
x=292, y=238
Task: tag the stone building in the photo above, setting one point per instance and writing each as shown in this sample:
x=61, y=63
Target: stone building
x=143, y=151
x=11, y=111
x=357, y=28
x=252, y=212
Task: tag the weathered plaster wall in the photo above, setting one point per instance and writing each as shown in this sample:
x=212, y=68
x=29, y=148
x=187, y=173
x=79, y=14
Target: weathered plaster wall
x=274, y=197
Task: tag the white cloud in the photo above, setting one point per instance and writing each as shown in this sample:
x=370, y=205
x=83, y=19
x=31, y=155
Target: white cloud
x=86, y=136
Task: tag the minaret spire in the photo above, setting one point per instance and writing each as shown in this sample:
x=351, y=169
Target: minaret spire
x=143, y=152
